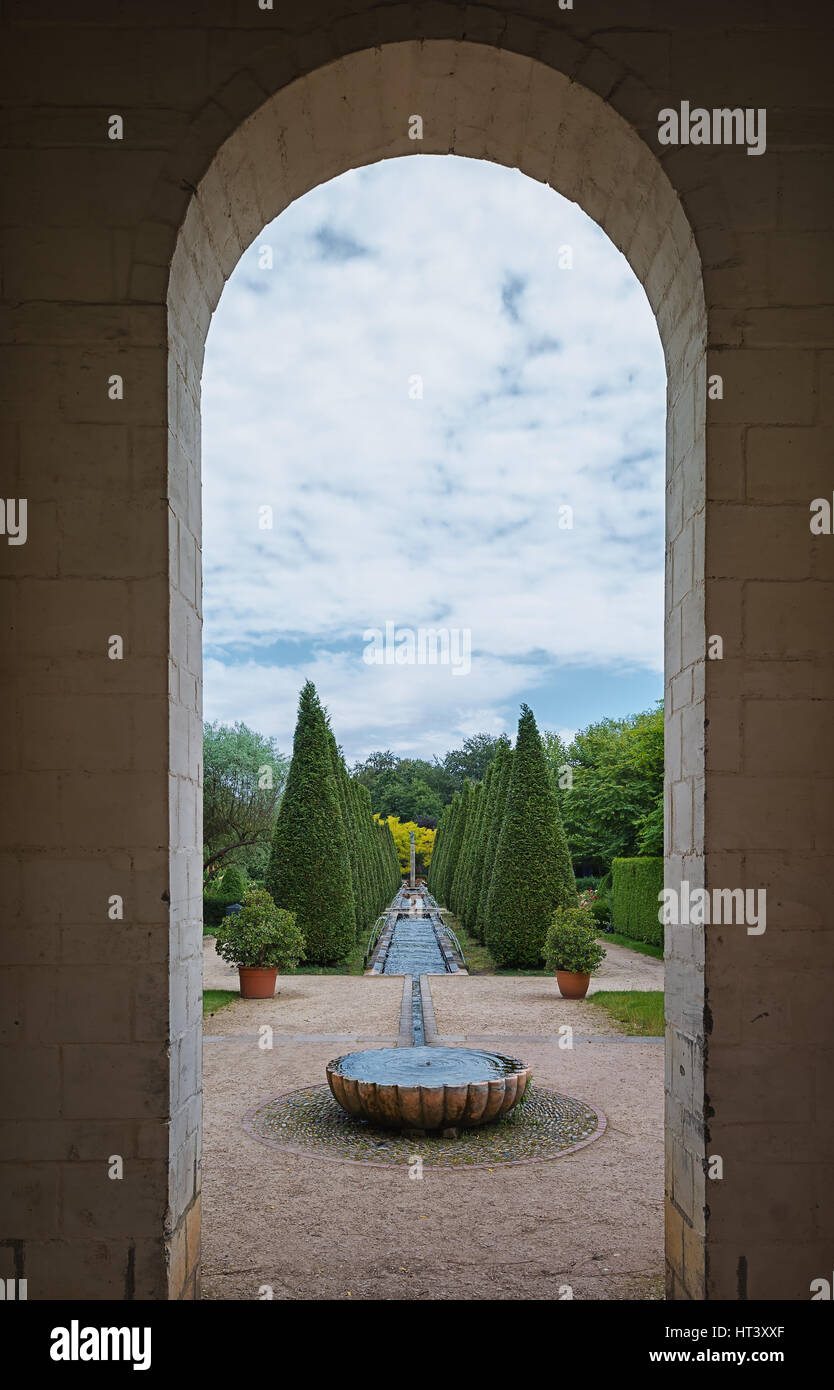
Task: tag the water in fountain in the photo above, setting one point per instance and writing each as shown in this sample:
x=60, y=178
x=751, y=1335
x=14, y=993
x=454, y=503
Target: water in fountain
x=421, y=1087
x=426, y=1066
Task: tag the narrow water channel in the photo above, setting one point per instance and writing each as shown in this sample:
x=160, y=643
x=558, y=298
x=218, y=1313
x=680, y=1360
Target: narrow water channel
x=414, y=949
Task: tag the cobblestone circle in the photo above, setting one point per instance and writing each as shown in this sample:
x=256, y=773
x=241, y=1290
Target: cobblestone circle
x=309, y=1120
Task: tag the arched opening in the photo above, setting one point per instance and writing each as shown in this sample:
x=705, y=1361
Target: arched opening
x=433, y=396
x=492, y=105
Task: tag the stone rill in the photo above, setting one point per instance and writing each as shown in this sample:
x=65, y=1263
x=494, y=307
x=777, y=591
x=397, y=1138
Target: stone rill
x=427, y=1089
x=419, y=1089
x=468, y=1107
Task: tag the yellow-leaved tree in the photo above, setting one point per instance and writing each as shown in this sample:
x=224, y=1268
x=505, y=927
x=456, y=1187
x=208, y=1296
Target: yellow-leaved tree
x=423, y=842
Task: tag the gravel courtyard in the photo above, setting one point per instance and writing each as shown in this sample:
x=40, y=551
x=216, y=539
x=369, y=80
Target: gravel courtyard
x=587, y=1224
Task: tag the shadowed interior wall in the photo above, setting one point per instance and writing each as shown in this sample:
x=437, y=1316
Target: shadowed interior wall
x=480, y=102
x=114, y=255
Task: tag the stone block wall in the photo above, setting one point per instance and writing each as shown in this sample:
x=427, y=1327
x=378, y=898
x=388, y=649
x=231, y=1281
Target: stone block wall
x=114, y=253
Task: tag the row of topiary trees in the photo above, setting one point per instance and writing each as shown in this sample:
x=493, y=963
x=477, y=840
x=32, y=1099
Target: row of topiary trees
x=331, y=863
x=501, y=860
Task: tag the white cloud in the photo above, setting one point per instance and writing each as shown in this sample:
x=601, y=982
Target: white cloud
x=440, y=511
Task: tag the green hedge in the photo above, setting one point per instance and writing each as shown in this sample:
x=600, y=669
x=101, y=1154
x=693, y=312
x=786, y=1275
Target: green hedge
x=214, y=910
x=636, y=889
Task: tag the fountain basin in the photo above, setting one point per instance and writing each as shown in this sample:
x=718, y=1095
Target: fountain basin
x=428, y=1088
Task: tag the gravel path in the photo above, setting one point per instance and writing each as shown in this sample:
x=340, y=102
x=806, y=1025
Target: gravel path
x=625, y=969
x=467, y=1006
x=350, y=1005
x=315, y=1229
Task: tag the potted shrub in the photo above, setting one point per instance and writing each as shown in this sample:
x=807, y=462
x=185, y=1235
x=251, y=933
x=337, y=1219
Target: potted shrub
x=572, y=950
x=260, y=940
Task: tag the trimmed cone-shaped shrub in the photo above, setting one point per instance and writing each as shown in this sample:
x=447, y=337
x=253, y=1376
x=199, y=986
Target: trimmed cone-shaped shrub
x=366, y=896
x=233, y=884
x=440, y=845
x=355, y=856
x=477, y=850
x=395, y=871
x=309, y=869
x=462, y=872
x=382, y=868
x=374, y=847
x=369, y=844
x=502, y=766
x=565, y=863
x=467, y=817
x=437, y=852
x=378, y=869
x=453, y=848
x=445, y=833
x=346, y=808
x=532, y=875
x=384, y=837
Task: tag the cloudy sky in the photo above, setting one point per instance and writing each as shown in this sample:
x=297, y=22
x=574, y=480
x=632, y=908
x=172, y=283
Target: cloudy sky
x=454, y=428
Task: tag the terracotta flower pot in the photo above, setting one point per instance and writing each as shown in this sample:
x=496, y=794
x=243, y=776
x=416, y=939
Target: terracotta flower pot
x=256, y=981
x=572, y=985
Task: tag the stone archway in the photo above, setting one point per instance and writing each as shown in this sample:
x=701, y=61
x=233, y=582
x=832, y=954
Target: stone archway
x=100, y=791
x=491, y=104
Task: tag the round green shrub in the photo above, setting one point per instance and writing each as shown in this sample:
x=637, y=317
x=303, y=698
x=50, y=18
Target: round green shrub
x=600, y=910
x=261, y=934
x=571, y=944
x=232, y=884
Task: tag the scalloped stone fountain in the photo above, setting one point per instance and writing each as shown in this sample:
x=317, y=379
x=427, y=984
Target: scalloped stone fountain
x=420, y=1089
x=430, y=1089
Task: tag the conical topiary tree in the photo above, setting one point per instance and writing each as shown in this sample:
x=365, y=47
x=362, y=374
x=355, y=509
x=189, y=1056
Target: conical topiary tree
x=568, y=896
x=439, y=851
x=458, y=841
x=363, y=841
x=467, y=812
x=372, y=853
x=366, y=913
x=475, y=860
x=452, y=839
x=461, y=883
x=501, y=765
x=309, y=866
x=376, y=848
x=343, y=791
x=384, y=836
x=396, y=878
x=530, y=877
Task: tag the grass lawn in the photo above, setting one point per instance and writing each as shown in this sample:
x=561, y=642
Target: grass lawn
x=639, y=1010
x=645, y=948
x=216, y=999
